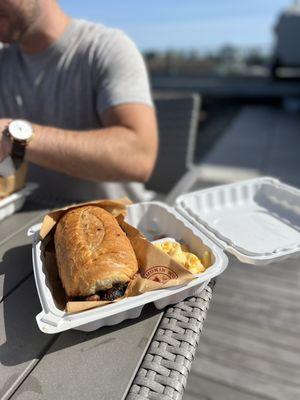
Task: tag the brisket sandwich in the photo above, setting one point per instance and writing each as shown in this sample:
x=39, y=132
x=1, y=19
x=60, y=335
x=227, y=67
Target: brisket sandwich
x=94, y=256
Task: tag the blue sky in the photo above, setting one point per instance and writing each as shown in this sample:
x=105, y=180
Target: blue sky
x=185, y=24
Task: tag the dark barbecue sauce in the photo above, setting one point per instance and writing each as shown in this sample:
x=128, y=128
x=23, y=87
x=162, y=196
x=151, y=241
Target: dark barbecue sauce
x=111, y=294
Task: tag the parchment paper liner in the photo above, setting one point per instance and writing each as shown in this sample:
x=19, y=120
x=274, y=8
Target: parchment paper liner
x=157, y=270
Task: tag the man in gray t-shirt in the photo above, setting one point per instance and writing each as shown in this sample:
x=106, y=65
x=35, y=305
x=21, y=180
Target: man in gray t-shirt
x=84, y=89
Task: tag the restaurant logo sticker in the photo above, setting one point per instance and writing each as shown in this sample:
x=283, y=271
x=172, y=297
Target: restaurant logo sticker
x=160, y=274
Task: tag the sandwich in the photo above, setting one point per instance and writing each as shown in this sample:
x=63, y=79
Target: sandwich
x=95, y=258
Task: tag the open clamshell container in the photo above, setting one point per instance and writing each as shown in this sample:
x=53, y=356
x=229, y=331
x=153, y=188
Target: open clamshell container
x=256, y=220
x=14, y=202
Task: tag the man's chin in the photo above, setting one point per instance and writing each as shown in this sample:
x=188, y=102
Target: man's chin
x=6, y=39
x=6, y=35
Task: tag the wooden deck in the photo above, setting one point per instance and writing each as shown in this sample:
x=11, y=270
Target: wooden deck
x=250, y=347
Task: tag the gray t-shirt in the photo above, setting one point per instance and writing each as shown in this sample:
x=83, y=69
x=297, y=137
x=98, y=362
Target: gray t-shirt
x=89, y=69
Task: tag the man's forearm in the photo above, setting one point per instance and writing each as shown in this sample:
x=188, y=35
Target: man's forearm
x=108, y=154
x=123, y=150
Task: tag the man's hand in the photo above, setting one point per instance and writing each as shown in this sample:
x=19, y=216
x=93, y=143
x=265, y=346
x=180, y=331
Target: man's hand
x=5, y=144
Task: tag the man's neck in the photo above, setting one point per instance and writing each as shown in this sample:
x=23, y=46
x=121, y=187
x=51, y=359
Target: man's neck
x=46, y=30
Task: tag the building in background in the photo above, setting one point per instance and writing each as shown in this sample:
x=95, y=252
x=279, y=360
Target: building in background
x=286, y=57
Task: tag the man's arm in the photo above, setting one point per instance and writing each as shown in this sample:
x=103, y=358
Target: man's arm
x=124, y=150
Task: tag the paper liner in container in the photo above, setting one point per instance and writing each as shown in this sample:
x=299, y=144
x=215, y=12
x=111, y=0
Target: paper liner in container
x=115, y=207
x=156, y=269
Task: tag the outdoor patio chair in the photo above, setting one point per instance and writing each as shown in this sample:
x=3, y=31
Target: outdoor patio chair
x=178, y=116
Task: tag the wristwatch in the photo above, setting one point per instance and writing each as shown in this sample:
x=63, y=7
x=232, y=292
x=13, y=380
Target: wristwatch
x=20, y=133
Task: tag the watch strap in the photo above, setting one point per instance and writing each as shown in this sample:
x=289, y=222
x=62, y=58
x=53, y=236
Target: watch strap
x=18, y=153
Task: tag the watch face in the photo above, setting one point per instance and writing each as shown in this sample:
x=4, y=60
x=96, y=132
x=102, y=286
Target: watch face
x=20, y=130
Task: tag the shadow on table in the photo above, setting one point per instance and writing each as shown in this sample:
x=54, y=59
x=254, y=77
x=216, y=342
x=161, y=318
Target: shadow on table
x=21, y=340
x=15, y=266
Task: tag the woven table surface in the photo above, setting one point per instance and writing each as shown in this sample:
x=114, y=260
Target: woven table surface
x=164, y=371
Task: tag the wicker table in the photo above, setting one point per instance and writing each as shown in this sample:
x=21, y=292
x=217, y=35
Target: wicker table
x=146, y=358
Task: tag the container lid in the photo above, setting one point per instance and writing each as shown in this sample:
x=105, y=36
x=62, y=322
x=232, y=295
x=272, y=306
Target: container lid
x=256, y=220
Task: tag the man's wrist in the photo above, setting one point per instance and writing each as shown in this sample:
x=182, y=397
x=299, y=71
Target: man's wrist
x=19, y=133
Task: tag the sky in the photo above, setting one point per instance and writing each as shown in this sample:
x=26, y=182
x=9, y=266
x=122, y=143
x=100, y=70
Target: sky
x=185, y=24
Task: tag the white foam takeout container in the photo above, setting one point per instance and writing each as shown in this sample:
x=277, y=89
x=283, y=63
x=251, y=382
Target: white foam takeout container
x=14, y=202
x=257, y=220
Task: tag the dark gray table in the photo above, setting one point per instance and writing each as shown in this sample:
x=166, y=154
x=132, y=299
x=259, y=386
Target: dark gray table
x=104, y=364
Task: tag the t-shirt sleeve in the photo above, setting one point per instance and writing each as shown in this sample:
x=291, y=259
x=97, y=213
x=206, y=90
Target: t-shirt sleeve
x=122, y=75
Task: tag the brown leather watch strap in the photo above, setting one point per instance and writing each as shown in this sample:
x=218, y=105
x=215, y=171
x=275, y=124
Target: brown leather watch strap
x=18, y=153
